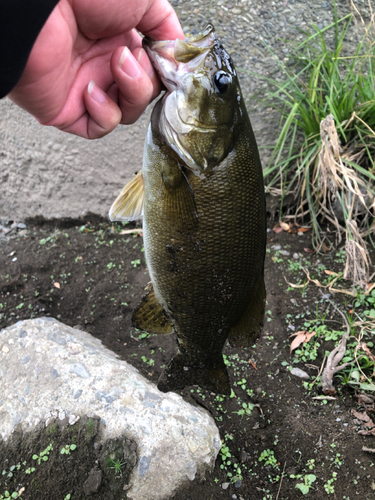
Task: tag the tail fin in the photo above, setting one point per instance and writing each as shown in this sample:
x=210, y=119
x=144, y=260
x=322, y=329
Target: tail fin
x=180, y=372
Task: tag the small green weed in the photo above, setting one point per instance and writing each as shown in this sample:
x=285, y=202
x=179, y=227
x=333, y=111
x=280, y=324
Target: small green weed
x=329, y=486
x=268, y=457
x=117, y=466
x=67, y=449
x=43, y=455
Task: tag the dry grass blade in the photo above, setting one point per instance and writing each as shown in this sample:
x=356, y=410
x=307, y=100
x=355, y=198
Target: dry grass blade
x=338, y=184
x=324, y=158
x=357, y=265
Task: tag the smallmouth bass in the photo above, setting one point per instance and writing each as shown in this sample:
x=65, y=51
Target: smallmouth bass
x=201, y=194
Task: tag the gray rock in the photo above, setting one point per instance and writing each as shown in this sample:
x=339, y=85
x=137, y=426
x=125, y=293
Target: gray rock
x=175, y=440
x=225, y=486
x=92, y=483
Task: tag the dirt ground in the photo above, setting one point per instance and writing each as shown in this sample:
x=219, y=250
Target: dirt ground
x=90, y=273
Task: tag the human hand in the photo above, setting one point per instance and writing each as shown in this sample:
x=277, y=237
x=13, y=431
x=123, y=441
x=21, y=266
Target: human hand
x=87, y=71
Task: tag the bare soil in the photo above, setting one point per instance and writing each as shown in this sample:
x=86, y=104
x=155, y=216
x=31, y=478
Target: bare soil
x=89, y=274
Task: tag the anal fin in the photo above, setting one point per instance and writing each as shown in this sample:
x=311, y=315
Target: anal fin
x=150, y=316
x=249, y=326
x=129, y=203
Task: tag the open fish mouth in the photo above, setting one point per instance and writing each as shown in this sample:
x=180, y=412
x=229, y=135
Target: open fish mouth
x=173, y=59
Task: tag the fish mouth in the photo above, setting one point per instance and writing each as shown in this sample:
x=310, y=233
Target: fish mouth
x=173, y=59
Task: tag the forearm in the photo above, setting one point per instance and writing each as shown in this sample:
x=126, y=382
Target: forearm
x=20, y=24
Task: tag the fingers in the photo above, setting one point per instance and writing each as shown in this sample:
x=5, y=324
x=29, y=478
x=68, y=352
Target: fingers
x=104, y=114
x=121, y=97
x=160, y=22
x=137, y=82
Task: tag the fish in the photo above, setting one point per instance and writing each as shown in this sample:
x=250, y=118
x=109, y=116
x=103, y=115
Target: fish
x=201, y=195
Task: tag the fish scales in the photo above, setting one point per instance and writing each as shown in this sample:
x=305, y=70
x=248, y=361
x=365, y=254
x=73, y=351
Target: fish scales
x=204, y=220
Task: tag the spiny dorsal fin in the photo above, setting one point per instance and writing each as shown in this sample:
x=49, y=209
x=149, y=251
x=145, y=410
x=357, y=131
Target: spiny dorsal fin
x=248, y=328
x=149, y=314
x=129, y=203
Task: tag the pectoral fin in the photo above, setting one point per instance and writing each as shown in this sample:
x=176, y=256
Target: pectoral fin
x=248, y=328
x=149, y=314
x=129, y=203
x=179, y=199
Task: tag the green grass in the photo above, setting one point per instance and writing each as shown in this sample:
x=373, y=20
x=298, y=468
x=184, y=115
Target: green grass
x=307, y=161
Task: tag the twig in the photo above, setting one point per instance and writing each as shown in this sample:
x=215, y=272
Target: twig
x=281, y=480
x=364, y=448
x=335, y=357
x=320, y=371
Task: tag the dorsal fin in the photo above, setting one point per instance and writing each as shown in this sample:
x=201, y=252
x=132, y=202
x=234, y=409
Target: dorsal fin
x=249, y=326
x=149, y=314
x=129, y=203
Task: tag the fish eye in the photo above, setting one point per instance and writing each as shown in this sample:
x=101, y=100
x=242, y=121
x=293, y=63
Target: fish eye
x=222, y=81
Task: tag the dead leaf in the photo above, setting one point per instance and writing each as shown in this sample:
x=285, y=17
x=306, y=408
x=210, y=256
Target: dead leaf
x=300, y=337
x=365, y=399
x=57, y=285
x=361, y=416
x=253, y=364
x=285, y=226
x=367, y=433
x=309, y=250
x=303, y=229
x=330, y=273
x=131, y=231
x=277, y=229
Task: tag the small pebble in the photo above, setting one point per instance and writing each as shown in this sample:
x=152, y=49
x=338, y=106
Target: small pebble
x=297, y=372
x=225, y=486
x=285, y=252
x=295, y=256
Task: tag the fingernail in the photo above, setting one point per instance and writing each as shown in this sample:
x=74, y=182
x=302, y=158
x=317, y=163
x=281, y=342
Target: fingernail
x=128, y=64
x=147, y=66
x=96, y=93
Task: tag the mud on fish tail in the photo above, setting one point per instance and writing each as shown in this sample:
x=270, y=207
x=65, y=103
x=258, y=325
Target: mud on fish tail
x=180, y=373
